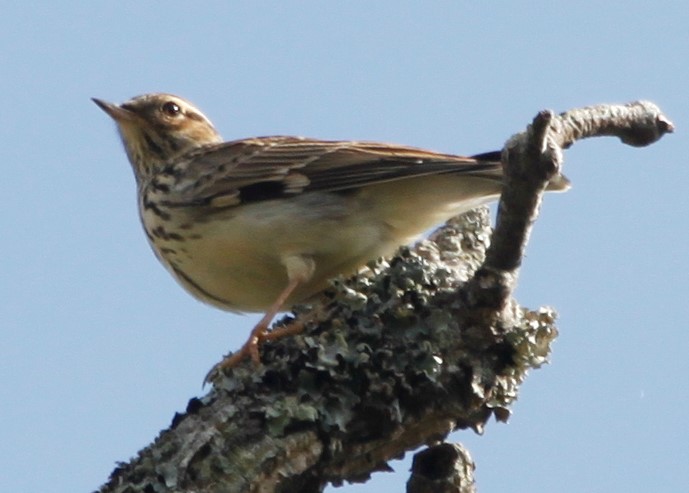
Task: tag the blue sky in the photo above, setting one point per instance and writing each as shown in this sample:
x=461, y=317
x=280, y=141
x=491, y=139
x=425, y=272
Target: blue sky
x=100, y=347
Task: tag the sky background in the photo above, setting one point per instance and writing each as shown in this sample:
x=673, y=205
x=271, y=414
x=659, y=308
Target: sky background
x=98, y=345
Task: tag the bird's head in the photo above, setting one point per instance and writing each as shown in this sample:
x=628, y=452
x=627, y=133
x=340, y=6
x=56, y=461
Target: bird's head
x=156, y=128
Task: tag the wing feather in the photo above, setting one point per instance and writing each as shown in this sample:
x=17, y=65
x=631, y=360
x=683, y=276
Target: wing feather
x=273, y=167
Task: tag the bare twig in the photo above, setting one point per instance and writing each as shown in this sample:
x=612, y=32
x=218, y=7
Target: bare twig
x=531, y=160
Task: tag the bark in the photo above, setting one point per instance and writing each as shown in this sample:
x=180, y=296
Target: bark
x=444, y=468
x=426, y=343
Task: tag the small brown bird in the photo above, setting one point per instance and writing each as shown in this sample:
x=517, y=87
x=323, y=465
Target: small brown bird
x=262, y=223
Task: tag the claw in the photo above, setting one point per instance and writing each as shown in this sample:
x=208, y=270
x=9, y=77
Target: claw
x=251, y=348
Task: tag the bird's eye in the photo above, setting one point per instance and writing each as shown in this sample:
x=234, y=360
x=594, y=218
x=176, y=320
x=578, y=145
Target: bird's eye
x=171, y=109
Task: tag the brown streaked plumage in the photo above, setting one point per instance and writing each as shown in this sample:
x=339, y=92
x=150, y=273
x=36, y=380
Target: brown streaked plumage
x=262, y=223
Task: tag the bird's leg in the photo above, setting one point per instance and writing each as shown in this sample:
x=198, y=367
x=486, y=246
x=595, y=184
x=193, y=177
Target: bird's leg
x=299, y=269
x=260, y=333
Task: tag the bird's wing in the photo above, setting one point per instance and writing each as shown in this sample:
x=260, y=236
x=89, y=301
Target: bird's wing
x=273, y=167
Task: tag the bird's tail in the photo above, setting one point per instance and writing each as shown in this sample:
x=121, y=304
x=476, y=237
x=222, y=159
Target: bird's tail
x=559, y=183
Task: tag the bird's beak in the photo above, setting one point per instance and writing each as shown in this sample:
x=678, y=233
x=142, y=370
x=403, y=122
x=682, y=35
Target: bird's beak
x=117, y=113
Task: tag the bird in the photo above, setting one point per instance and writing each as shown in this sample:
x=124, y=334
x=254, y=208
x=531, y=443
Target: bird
x=260, y=224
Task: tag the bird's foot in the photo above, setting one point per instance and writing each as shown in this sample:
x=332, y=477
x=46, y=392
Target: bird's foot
x=251, y=348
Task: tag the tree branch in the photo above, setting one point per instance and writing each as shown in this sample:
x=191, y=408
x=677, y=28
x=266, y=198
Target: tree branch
x=531, y=160
x=392, y=360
